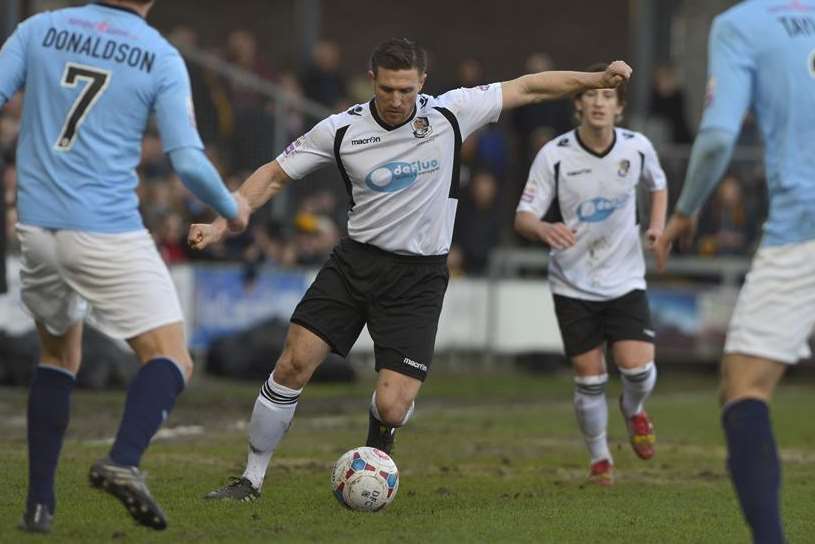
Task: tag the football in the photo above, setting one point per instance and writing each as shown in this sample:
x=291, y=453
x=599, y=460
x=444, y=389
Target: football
x=365, y=479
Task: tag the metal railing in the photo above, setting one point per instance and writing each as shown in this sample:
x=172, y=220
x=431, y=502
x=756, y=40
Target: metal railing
x=730, y=271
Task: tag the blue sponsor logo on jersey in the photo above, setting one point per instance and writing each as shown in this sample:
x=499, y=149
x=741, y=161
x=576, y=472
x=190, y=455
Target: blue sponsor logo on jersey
x=598, y=209
x=395, y=176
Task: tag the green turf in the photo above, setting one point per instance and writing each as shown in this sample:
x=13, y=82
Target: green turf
x=488, y=458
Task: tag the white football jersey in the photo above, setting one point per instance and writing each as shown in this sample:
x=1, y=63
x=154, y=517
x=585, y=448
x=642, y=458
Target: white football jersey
x=597, y=197
x=402, y=181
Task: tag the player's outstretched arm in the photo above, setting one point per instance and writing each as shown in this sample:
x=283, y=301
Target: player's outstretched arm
x=708, y=161
x=257, y=190
x=551, y=85
x=203, y=180
x=556, y=235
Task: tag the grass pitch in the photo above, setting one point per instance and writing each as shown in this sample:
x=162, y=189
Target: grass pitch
x=487, y=458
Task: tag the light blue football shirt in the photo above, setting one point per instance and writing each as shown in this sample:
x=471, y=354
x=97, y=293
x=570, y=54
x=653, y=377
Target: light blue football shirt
x=92, y=75
x=762, y=55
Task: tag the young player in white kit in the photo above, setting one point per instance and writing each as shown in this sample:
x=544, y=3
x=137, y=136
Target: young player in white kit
x=399, y=158
x=589, y=176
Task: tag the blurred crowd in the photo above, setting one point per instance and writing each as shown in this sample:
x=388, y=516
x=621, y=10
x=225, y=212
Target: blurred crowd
x=299, y=228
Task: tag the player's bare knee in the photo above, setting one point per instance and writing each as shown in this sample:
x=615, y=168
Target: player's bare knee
x=584, y=368
x=70, y=361
x=393, y=405
x=292, y=370
x=187, y=366
x=748, y=377
x=393, y=413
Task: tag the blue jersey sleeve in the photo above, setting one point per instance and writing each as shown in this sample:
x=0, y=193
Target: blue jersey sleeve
x=201, y=177
x=730, y=83
x=174, y=110
x=12, y=63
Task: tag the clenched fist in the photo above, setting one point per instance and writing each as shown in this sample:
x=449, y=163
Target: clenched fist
x=202, y=235
x=616, y=73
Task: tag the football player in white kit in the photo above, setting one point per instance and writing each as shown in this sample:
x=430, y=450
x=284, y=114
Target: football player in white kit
x=589, y=176
x=398, y=156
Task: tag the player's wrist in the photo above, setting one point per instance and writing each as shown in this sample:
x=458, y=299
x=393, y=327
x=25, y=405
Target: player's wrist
x=595, y=80
x=543, y=230
x=220, y=225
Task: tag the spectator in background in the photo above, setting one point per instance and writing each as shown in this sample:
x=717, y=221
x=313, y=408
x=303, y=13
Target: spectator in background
x=477, y=225
x=295, y=120
x=254, y=134
x=316, y=229
x=213, y=113
x=487, y=148
x=272, y=245
x=9, y=128
x=3, y=231
x=170, y=237
x=8, y=195
x=242, y=51
x=322, y=81
x=536, y=124
x=154, y=163
x=668, y=104
x=155, y=203
x=492, y=150
x=729, y=225
x=470, y=73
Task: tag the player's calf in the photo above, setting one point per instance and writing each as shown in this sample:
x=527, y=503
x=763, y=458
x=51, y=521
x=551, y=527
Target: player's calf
x=638, y=383
x=49, y=405
x=591, y=411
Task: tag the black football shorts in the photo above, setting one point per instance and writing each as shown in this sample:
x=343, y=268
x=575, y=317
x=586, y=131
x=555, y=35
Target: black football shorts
x=399, y=297
x=586, y=324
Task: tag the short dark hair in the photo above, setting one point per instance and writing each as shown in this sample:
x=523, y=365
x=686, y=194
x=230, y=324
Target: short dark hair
x=399, y=54
x=622, y=88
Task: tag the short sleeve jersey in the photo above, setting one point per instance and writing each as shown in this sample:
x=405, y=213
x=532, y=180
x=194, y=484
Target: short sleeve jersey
x=402, y=181
x=597, y=198
x=92, y=75
x=762, y=57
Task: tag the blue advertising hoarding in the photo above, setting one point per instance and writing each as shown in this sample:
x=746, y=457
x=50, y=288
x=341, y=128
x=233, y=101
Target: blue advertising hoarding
x=227, y=300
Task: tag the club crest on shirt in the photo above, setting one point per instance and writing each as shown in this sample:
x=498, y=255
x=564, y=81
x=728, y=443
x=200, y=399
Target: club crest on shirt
x=421, y=127
x=625, y=166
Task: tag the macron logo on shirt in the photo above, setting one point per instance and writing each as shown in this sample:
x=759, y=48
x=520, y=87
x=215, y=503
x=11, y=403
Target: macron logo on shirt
x=368, y=140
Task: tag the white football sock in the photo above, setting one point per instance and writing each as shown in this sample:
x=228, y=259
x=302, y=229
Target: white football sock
x=271, y=418
x=592, y=414
x=637, y=386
